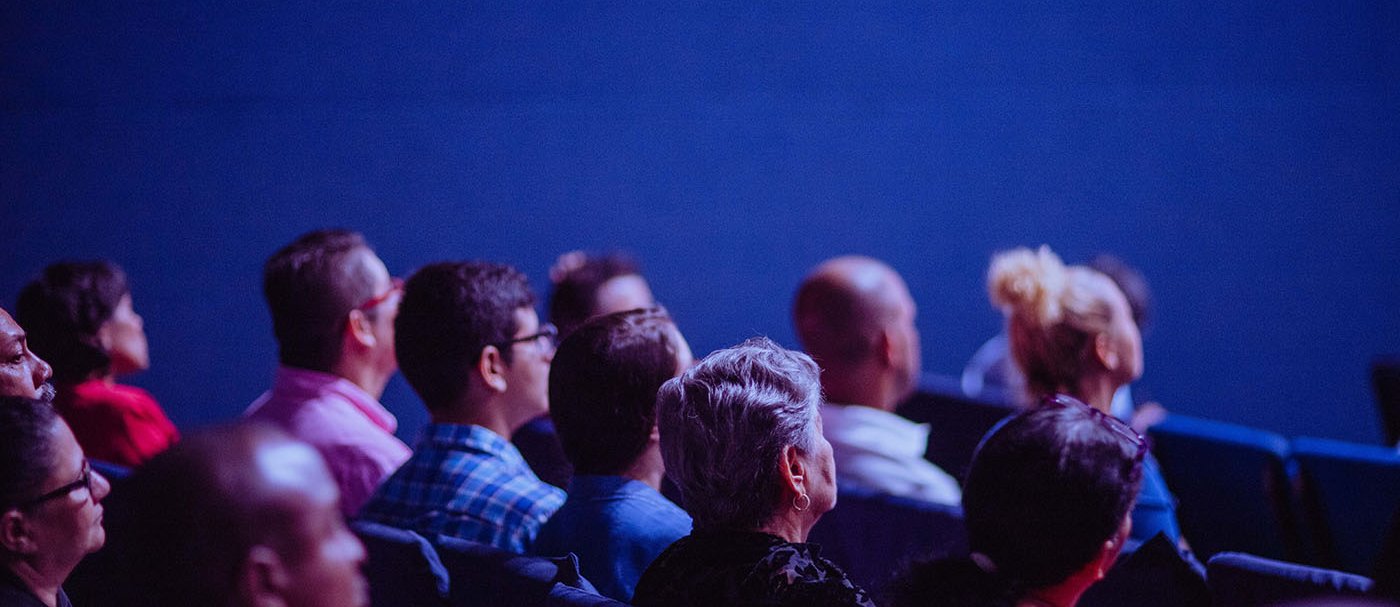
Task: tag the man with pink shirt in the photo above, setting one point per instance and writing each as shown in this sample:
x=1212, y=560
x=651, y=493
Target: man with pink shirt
x=333, y=306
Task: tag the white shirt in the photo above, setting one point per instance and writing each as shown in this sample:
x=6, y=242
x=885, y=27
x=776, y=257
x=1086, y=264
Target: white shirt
x=879, y=451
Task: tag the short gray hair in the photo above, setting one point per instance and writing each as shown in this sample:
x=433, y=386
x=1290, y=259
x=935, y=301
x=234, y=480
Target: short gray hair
x=724, y=426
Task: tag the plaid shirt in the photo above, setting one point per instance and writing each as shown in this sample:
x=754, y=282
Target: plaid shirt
x=466, y=482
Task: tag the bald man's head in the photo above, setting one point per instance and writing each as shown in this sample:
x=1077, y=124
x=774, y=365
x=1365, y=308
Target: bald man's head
x=239, y=514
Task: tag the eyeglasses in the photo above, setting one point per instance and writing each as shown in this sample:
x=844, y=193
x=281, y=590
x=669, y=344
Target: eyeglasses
x=1110, y=422
x=548, y=333
x=83, y=482
x=395, y=286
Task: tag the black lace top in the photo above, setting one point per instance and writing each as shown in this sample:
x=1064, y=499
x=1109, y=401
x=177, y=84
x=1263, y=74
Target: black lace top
x=745, y=568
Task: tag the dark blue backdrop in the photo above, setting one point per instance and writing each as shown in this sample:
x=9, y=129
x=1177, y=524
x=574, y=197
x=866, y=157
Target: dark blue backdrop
x=1246, y=155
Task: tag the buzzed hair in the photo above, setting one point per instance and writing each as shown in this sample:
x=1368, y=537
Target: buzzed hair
x=310, y=286
x=833, y=320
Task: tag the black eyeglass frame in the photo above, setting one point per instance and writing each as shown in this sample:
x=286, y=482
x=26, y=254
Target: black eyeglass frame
x=1113, y=424
x=547, y=330
x=84, y=482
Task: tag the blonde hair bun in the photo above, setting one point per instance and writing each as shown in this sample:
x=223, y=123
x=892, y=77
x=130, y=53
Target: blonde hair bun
x=1028, y=283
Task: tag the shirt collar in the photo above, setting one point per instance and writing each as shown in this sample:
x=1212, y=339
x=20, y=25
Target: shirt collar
x=474, y=438
x=856, y=423
x=305, y=384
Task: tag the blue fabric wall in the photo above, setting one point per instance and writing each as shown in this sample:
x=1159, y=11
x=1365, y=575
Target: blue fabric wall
x=1246, y=155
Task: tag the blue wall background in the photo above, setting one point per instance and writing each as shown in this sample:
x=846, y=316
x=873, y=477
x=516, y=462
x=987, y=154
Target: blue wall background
x=1245, y=155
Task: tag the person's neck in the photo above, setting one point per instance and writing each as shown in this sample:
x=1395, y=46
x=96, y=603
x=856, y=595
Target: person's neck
x=1064, y=594
x=486, y=415
x=648, y=467
x=364, y=375
x=44, y=585
x=788, y=524
x=1097, y=391
x=863, y=386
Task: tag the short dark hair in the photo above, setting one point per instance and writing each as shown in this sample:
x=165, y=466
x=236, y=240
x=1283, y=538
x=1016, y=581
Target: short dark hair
x=192, y=513
x=1045, y=490
x=574, y=299
x=26, y=448
x=62, y=311
x=450, y=311
x=603, y=383
x=310, y=286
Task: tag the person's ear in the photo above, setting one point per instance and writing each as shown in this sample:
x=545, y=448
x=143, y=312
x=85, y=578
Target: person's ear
x=14, y=533
x=263, y=579
x=1106, y=352
x=794, y=472
x=491, y=368
x=885, y=347
x=360, y=330
x=1112, y=547
x=104, y=336
x=655, y=436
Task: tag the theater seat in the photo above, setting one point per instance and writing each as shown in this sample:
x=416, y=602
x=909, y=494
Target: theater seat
x=1350, y=493
x=488, y=576
x=956, y=425
x=563, y=595
x=1244, y=580
x=1232, y=485
x=403, y=568
x=874, y=537
x=1385, y=379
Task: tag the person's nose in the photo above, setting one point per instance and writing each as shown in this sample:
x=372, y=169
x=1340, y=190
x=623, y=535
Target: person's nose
x=43, y=371
x=100, y=487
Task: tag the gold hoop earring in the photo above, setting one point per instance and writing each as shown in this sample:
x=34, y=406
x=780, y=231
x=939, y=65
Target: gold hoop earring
x=801, y=503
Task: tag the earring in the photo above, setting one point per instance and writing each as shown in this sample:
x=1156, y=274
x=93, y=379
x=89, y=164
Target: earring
x=801, y=503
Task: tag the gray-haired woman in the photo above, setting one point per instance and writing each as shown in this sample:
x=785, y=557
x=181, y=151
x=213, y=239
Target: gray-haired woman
x=742, y=439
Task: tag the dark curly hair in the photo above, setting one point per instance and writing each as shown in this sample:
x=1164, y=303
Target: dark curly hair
x=62, y=311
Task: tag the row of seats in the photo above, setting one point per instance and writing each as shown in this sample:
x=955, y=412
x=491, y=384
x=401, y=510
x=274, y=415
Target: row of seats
x=1308, y=500
x=873, y=537
x=405, y=569
x=1316, y=501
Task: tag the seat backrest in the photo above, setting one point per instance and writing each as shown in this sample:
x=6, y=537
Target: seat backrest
x=403, y=568
x=1385, y=379
x=488, y=576
x=956, y=425
x=1245, y=580
x=875, y=537
x=1350, y=493
x=563, y=595
x=1232, y=484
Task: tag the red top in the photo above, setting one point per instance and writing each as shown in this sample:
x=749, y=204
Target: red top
x=114, y=423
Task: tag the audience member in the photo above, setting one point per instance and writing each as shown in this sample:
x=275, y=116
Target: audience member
x=992, y=373
x=1047, y=504
x=855, y=316
x=1071, y=332
x=80, y=318
x=585, y=286
x=602, y=396
x=237, y=516
x=22, y=372
x=742, y=438
x=50, y=504
x=333, y=305
x=472, y=347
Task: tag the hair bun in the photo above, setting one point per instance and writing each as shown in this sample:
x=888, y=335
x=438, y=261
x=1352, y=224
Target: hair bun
x=1028, y=283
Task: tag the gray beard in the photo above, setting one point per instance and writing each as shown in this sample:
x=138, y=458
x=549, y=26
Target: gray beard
x=47, y=392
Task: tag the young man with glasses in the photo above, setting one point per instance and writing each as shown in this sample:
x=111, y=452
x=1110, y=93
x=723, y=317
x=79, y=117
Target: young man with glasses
x=471, y=345
x=333, y=305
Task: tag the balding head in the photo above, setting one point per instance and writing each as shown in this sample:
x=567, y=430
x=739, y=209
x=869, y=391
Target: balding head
x=854, y=315
x=242, y=514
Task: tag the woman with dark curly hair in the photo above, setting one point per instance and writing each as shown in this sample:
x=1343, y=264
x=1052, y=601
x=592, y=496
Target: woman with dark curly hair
x=80, y=318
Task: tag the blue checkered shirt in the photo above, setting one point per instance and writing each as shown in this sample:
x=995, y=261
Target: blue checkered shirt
x=466, y=482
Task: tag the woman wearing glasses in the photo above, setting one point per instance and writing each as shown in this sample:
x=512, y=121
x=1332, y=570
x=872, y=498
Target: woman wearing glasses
x=1046, y=505
x=1072, y=334
x=50, y=504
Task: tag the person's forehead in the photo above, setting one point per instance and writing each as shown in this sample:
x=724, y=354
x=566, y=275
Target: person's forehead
x=527, y=321
x=10, y=332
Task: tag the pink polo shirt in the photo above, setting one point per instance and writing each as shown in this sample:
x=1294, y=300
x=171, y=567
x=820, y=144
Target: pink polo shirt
x=353, y=432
